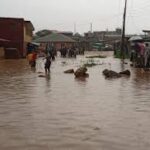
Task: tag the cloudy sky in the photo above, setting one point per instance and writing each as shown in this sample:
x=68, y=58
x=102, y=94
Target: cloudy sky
x=63, y=14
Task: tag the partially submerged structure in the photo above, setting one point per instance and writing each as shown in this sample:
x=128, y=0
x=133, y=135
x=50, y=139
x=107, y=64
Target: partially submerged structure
x=16, y=33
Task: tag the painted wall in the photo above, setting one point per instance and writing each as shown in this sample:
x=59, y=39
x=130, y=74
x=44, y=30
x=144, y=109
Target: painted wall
x=27, y=38
x=12, y=29
x=1, y=52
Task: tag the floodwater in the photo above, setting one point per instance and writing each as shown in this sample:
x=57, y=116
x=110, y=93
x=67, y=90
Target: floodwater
x=60, y=112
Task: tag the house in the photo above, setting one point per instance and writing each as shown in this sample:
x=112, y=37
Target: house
x=19, y=32
x=69, y=34
x=57, y=39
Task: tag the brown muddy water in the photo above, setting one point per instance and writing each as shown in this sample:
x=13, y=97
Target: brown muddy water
x=60, y=112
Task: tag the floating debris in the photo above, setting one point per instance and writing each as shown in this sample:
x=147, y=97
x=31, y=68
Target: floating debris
x=69, y=71
x=96, y=128
x=113, y=74
x=42, y=76
x=81, y=72
x=39, y=72
x=126, y=72
x=64, y=62
x=96, y=56
x=90, y=65
x=125, y=63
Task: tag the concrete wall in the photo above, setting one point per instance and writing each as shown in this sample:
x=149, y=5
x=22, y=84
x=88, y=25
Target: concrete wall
x=27, y=37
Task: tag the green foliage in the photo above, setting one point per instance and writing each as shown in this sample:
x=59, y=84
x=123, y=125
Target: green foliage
x=119, y=55
x=90, y=63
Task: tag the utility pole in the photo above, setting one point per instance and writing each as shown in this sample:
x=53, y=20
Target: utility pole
x=75, y=28
x=91, y=27
x=123, y=32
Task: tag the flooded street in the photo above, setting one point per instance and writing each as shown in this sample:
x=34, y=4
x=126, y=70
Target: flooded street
x=60, y=112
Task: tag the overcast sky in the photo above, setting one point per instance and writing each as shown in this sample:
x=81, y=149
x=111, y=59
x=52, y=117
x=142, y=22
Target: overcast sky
x=63, y=14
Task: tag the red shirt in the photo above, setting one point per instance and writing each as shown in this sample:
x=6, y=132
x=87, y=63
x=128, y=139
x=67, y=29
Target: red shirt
x=34, y=56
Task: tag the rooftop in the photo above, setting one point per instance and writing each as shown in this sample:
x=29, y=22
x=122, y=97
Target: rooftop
x=55, y=37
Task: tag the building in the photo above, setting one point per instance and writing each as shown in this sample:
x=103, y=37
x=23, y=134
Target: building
x=108, y=35
x=105, y=37
x=147, y=32
x=3, y=42
x=69, y=34
x=18, y=32
x=57, y=39
x=82, y=42
x=28, y=34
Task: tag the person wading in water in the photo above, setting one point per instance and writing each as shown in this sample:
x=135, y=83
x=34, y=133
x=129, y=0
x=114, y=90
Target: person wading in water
x=47, y=64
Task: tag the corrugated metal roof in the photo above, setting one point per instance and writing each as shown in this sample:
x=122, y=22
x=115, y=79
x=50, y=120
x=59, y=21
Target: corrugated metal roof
x=55, y=37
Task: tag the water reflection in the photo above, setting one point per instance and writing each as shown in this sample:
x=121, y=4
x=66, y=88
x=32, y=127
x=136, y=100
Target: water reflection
x=59, y=111
x=81, y=80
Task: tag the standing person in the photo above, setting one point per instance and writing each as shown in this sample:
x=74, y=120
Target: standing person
x=29, y=57
x=47, y=64
x=34, y=57
x=147, y=55
x=48, y=49
x=142, y=52
x=52, y=52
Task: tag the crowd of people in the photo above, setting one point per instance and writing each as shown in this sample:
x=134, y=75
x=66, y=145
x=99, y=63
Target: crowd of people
x=70, y=52
x=140, y=55
x=50, y=53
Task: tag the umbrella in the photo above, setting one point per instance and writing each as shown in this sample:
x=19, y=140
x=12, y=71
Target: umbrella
x=135, y=38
